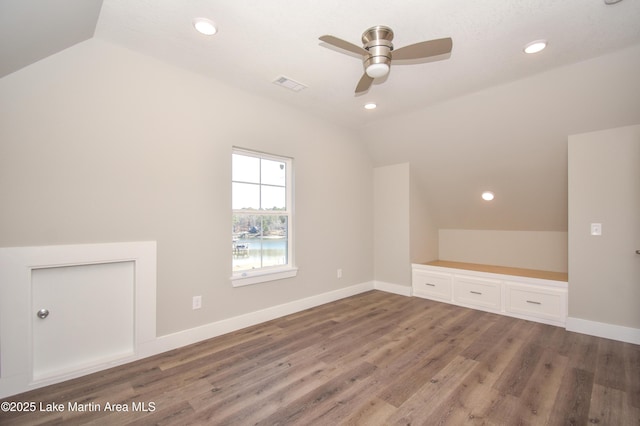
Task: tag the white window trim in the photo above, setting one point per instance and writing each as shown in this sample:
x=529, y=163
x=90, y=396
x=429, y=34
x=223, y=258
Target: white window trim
x=271, y=273
x=263, y=275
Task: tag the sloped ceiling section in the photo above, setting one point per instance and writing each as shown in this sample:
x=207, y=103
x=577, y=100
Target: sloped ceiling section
x=510, y=139
x=32, y=30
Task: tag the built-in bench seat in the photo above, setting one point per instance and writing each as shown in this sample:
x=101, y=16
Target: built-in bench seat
x=531, y=294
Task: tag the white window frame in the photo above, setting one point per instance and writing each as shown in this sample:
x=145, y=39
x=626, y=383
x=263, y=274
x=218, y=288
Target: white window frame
x=269, y=273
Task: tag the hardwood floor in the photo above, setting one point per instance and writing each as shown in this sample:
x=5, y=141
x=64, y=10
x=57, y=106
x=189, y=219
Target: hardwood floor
x=371, y=359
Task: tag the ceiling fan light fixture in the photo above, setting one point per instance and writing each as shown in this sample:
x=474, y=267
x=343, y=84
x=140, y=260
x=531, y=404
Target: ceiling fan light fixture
x=377, y=49
x=370, y=105
x=377, y=70
x=205, y=26
x=535, y=46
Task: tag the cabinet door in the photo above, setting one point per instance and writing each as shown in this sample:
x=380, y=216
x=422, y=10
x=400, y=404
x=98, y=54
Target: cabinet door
x=432, y=285
x=539, y=302
x=482, y=293
x=81, y=316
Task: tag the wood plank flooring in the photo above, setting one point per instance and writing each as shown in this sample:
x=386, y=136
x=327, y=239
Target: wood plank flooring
x=371, y=359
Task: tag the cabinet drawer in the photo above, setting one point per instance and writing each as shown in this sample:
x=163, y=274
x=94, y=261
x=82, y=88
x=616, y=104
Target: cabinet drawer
x=480, y=292
x=542, y=303
x=432, y=285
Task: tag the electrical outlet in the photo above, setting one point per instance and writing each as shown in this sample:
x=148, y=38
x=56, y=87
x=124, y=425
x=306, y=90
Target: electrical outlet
x=339, y=273
x=197, y=302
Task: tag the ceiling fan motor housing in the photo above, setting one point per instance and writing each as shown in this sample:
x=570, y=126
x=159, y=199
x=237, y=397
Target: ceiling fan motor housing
x=377, y=41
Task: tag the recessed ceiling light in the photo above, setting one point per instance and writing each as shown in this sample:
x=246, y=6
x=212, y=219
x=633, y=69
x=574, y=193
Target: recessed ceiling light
x=370, y=105
x=535, y=46
x=205, y=26
x=488, y=195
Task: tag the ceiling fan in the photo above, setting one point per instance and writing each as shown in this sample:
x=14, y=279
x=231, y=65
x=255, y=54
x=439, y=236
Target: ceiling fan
x=377, y=52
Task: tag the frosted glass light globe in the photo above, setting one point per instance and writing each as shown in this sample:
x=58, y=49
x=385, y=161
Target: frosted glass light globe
x=377, y=70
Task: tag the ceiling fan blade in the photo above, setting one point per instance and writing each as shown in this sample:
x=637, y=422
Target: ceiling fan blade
x=424, y=49
x=364, y=83
x=338, y=42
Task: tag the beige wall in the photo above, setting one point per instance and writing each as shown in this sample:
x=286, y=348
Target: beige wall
x=100, y=144
x=604, y=187
x=423, y=232
x=404, y=231
x=391, y=224
x=519, y=249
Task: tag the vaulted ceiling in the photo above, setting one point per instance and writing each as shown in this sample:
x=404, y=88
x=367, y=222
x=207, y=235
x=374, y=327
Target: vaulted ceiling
x=259, y=41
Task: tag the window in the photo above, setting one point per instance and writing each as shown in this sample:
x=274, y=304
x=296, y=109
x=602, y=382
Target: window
x=262, y=205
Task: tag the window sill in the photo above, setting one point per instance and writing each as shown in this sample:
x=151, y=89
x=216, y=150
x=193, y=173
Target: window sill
x=249, y=277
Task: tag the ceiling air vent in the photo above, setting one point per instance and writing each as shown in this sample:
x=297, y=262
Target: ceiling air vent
x=289, y=84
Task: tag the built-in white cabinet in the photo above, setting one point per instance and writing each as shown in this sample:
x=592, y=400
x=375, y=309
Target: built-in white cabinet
x=477, y=292
x=69, y=310
x=541, y=302
x=432, y=284
x=526, y=295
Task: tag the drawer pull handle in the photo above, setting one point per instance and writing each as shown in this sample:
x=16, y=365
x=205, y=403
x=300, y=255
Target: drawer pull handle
x=475, y=292
x=429, y=284
x=534, y=302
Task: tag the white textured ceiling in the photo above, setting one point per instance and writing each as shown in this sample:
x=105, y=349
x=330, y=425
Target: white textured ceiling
x=261, y=40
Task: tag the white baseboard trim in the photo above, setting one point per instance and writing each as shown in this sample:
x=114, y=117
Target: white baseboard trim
x=9, y=386
x=208, y=331
x=601, y=329
x=402, y=290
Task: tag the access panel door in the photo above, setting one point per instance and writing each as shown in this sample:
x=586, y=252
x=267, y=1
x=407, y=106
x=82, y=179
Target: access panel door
x=81, y=316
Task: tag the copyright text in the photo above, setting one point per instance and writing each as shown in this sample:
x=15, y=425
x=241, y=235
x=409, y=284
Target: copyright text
x=74, y=406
